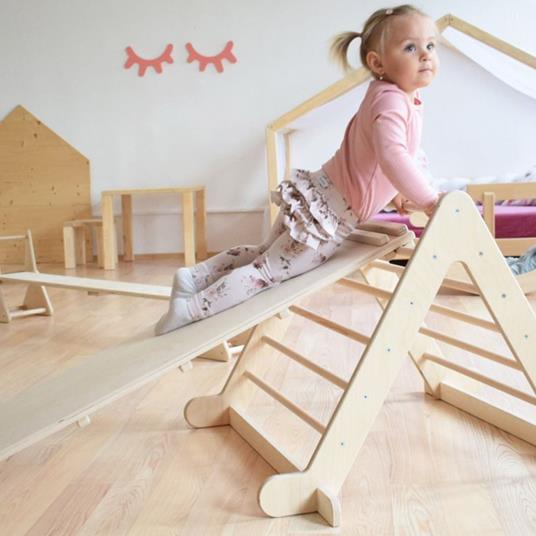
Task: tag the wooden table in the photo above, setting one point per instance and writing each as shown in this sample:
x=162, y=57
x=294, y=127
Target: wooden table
x=194, y=234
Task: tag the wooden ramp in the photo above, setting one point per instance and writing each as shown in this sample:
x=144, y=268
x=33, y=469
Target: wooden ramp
x=91, y=285
x=107, y=375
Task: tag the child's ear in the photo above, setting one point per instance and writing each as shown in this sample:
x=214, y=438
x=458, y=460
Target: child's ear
x=374, y=63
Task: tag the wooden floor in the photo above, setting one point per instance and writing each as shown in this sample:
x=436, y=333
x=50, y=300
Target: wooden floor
x=138, y=469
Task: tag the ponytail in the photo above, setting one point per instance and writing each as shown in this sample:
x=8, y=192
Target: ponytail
x=339, y=48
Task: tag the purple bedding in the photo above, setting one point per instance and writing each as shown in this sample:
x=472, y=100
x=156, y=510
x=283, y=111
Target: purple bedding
x=510, y=221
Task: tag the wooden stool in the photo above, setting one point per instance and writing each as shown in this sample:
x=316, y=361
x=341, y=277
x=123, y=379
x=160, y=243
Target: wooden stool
x=74, y=241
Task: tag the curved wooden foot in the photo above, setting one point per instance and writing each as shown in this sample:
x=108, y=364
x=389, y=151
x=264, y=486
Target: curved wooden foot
x=297, y=493
x=329, y=506
x=205, y=411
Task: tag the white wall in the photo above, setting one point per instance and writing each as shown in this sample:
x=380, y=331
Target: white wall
x=63, y=60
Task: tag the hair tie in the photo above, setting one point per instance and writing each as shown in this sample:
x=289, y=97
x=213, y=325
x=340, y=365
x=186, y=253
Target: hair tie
x=389, y=11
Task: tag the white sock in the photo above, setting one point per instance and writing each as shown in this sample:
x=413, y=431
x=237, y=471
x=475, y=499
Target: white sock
x=177, y=316
x=183, y=284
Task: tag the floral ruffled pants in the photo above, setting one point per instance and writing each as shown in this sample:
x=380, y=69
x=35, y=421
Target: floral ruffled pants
x=313, y=221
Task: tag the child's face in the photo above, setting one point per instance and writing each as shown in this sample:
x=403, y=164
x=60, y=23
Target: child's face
x=408, y=57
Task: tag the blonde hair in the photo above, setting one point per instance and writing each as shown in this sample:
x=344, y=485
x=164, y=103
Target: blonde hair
x=372, y=36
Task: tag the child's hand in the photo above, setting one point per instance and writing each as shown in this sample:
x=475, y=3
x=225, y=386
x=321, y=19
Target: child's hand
x=429, y=211
x=399, y=202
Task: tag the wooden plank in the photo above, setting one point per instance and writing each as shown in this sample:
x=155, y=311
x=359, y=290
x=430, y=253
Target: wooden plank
x=332, y=92
x=92, y=285
x=492, y=41
x=110, y=374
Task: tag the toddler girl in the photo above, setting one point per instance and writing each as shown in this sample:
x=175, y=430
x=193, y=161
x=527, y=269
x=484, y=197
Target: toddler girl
x=376, y=163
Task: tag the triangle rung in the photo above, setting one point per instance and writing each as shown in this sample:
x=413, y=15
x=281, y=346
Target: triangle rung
x=302, y=360
x=452, y=341
x=334, y=326
x=448, y=282
x=289, y=404
x=440, y=309
x=531, y=399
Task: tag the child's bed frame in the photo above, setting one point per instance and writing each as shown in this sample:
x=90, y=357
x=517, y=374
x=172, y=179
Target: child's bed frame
x=488, y=195
x=456, y=233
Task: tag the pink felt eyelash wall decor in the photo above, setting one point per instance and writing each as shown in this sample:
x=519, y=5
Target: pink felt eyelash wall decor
x=216, y=60
x=193, y=55
x=144, y=64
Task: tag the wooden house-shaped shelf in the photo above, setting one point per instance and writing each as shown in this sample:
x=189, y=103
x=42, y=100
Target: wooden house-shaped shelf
x=44, y=181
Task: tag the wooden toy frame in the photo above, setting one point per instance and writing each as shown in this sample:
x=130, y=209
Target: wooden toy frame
x=456, y=233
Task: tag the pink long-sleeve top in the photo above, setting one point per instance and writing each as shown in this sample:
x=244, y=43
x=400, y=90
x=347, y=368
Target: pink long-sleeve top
x=379, y=152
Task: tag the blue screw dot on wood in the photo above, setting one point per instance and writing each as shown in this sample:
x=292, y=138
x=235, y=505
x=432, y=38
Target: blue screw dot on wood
x=481, y=253
x=526, y=336
x=457, y=210
x=388, y=349
x=503, y=295
x=365, y=396
x=434, y=257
